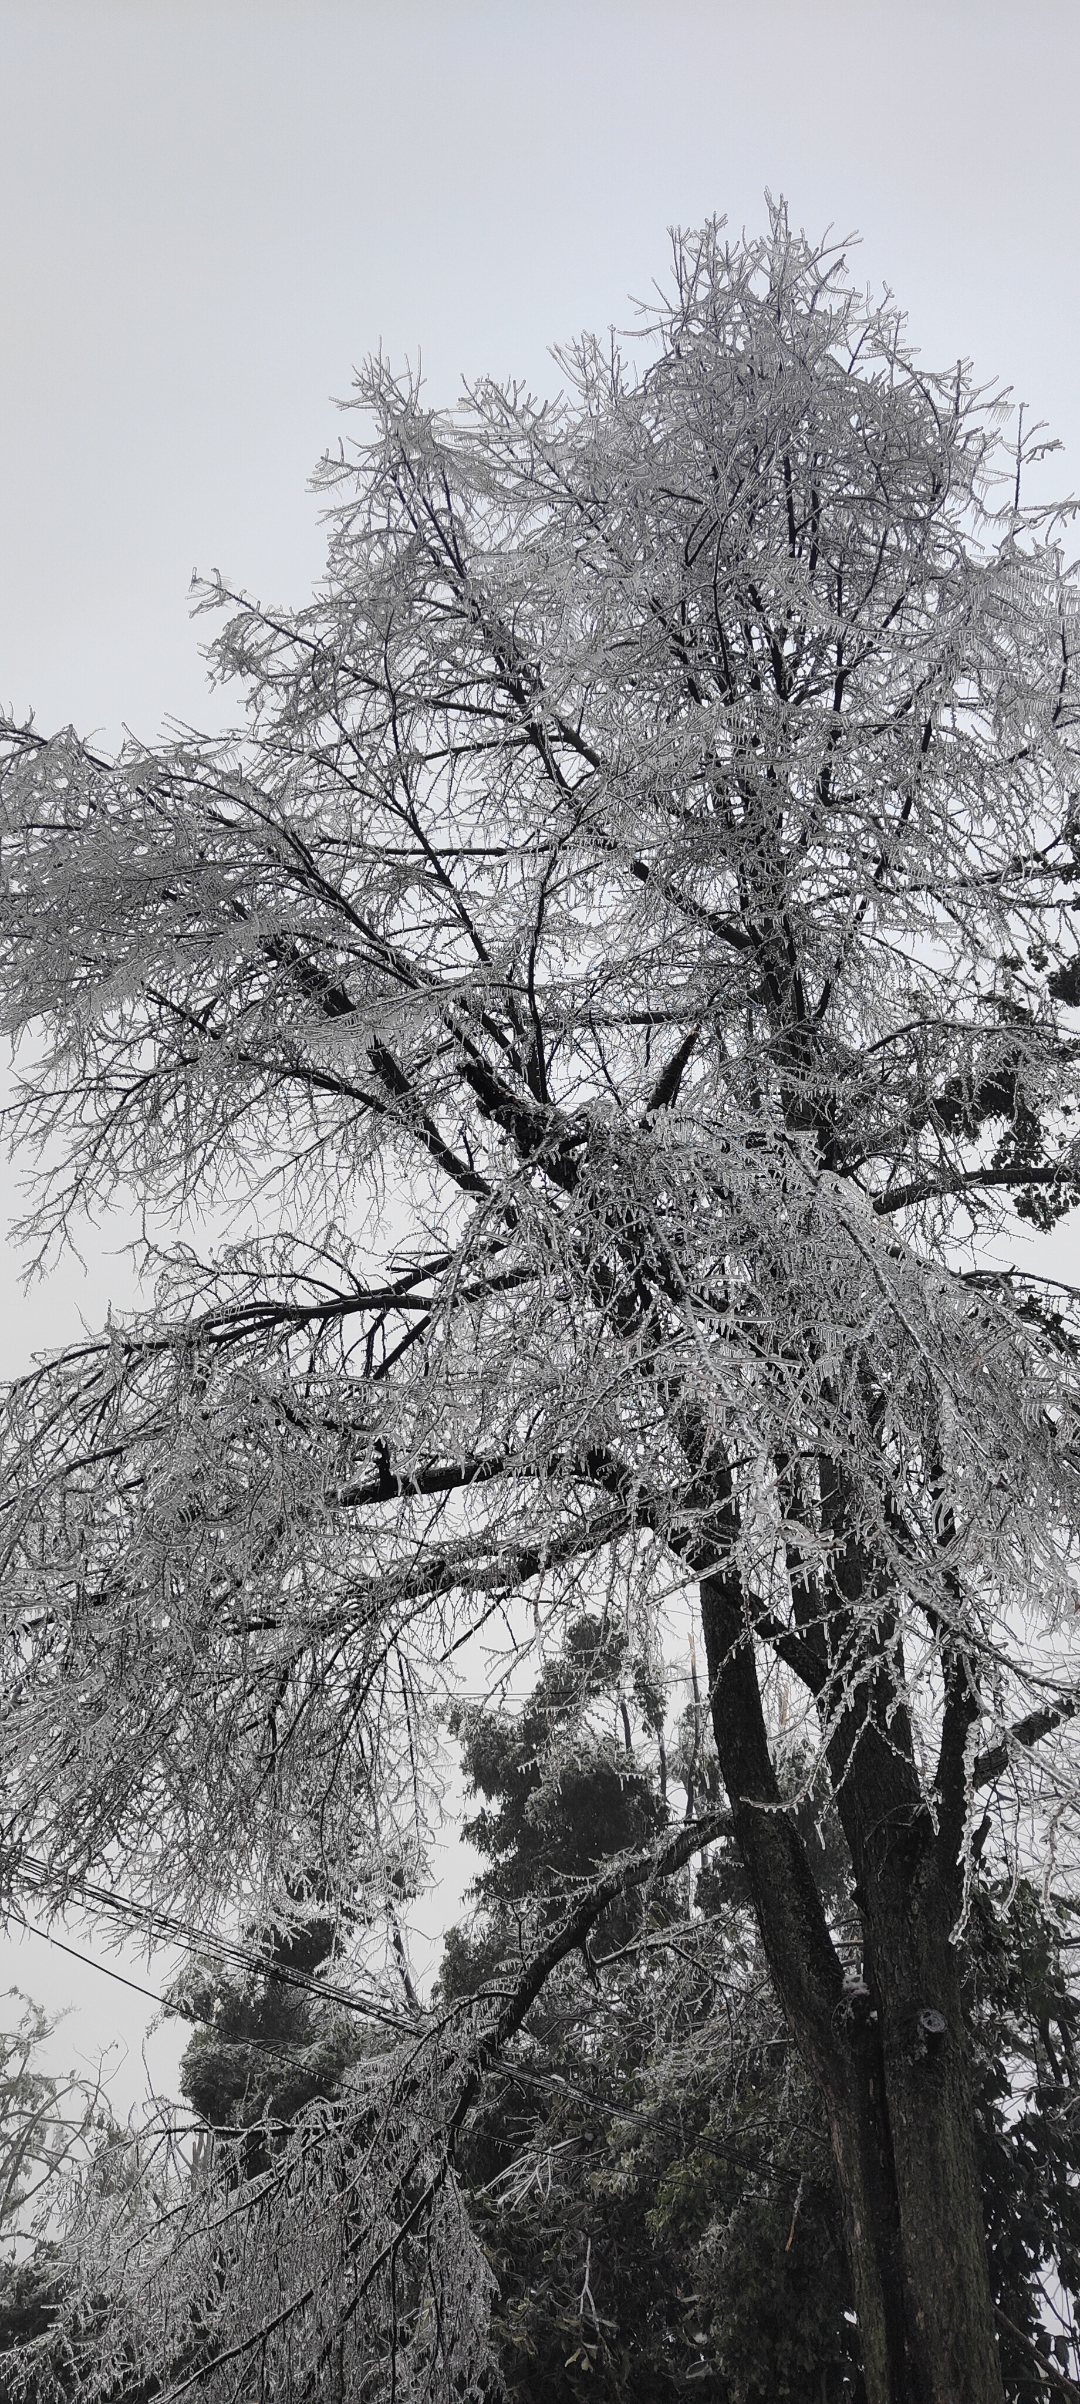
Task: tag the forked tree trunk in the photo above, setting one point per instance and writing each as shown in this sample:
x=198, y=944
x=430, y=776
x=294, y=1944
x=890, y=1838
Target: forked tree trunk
x=891, y=2065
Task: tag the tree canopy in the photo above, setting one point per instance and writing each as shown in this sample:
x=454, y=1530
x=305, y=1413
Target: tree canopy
x=621, y=979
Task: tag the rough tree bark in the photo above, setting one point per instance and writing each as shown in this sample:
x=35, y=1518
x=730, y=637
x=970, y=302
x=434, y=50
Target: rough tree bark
x=891, y=2062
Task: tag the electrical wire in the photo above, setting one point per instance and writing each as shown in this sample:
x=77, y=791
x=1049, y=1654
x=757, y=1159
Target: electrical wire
x=47, y=1938
x=225, y=1952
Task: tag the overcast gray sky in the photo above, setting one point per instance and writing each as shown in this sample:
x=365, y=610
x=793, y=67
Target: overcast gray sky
x=210, y=210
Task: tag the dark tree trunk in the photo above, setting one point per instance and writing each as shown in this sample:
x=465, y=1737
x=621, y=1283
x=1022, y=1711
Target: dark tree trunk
x=891, y=2064
x=915, y=1987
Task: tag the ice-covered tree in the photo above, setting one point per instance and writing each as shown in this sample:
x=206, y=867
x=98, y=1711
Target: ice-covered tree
x=48, y=2122
x=622, y=974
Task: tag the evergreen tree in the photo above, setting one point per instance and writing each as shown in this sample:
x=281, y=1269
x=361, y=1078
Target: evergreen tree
x=637, y=2175
x=653, y=2182
x=266, y=2043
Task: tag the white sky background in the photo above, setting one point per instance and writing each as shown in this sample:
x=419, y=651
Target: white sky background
x=210, y=210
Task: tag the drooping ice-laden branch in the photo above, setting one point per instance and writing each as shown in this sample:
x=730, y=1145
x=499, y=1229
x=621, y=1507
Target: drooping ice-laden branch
x=348, y=2256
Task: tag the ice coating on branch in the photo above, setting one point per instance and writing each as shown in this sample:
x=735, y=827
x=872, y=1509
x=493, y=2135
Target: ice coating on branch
x=623, y=974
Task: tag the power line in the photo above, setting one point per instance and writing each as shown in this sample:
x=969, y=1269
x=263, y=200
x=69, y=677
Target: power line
x=226, y=1952
x=47, y=1938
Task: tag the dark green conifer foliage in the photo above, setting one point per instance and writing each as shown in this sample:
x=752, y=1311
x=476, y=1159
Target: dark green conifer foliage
x=265, y=2047
x=654, y=2183
x=652, y=2180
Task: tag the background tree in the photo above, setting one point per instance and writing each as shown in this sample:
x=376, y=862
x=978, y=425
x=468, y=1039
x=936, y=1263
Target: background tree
x=627, y=962
x=266, y=2043
x=650, y=2175
x=653, y=2182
